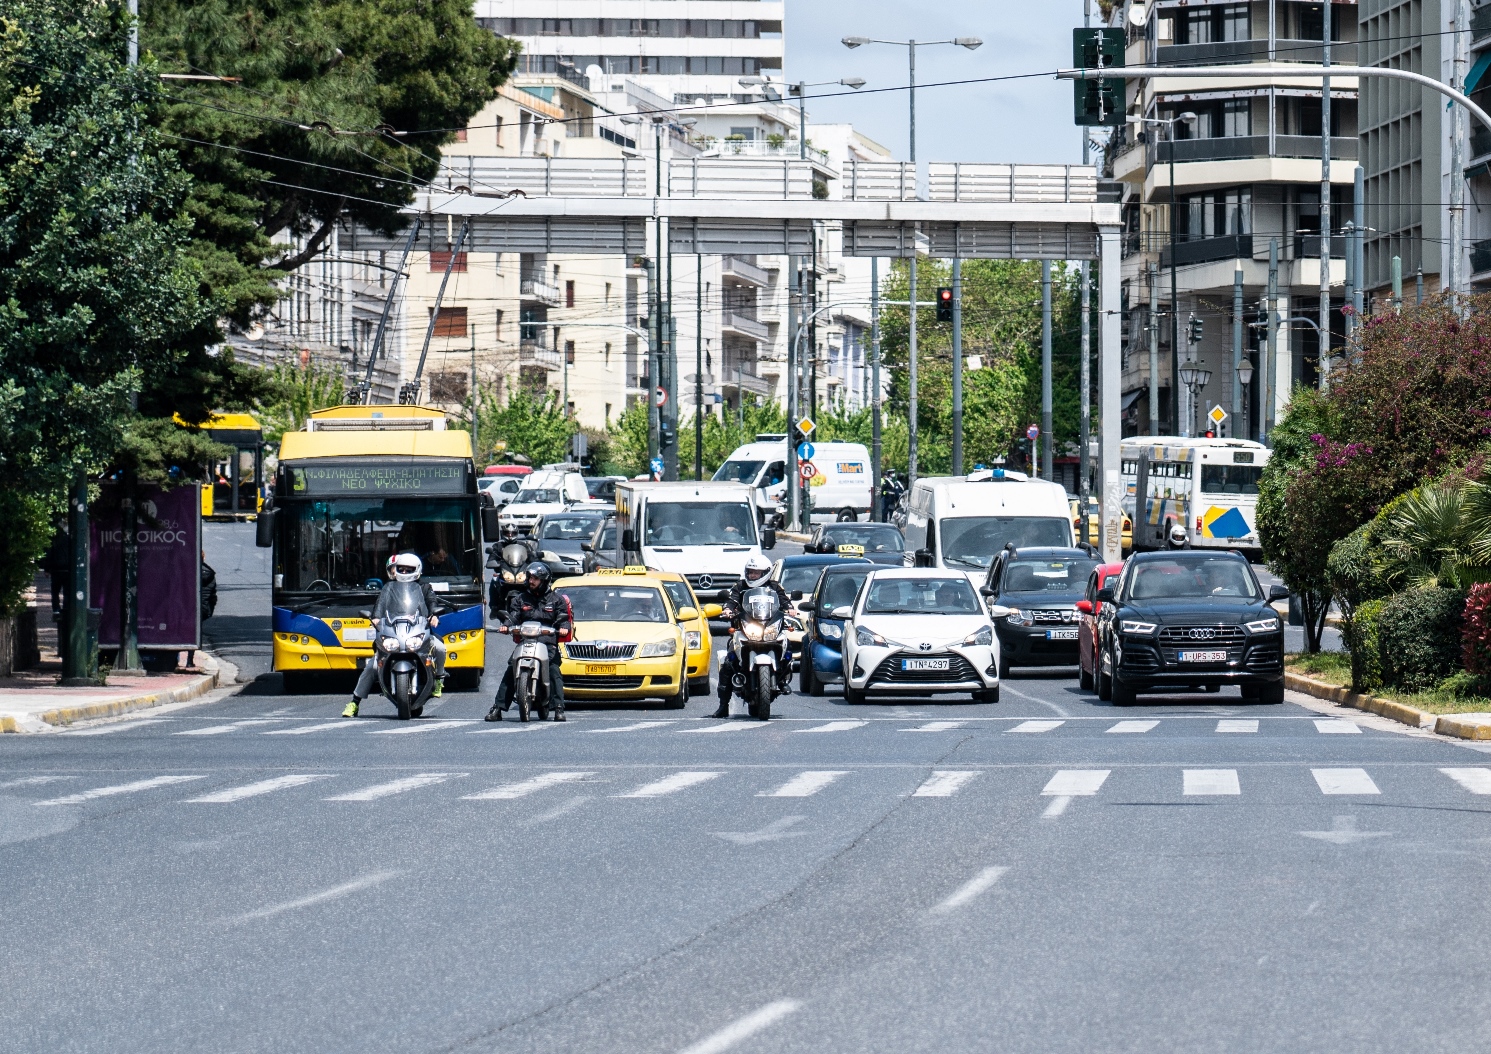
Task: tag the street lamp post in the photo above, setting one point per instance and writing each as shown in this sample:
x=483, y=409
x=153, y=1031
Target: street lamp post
x=1244, y=378
x=970, y=43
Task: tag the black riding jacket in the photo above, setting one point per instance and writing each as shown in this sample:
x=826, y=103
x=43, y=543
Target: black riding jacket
x=551, y=609
x=734, y=599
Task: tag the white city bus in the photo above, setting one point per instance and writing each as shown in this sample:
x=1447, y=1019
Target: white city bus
x=1210, y=486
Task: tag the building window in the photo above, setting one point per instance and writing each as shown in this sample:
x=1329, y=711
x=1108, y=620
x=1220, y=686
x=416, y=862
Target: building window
x=569, y=293
x=498, y=130
x=450, y=322
x=569, y=353
x=1206, y=25
x=461, y=136
x=1237, y=117
x=1216, y=214
x=608, y=354
x=499, y=325
x=440, y=257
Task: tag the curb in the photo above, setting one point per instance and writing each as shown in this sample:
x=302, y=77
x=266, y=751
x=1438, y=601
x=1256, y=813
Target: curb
x=1457, y=726
x=67, y=715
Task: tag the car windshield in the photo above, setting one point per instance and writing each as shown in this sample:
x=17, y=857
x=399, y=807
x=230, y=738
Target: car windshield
x=1220, y=576
x=700, y=523
x=804, y=579
x=568, y=528
x=839, y=589
x=345, y=543
x=921, y=596
x=973, y=541
x=615, y=603
x=1039, y=576
x=537, y=495
x=604, y=489
x=738, y=471
x=1231, y=479
x=679, y=594
x=874, y=539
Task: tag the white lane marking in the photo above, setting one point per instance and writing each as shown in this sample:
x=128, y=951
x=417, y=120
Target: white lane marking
x=401, y=786
x=1057, y=807
x=1075, y=783
x=1337, y=726
x=253, y=790
x=725, y=726
x=936, y=726
x=307, y=729
x=356, y=885
x=1210, y=781
x=217, y=730
x=120, y=788
x=743, y=1028
x=109, y=730
x=422, y=726
x=522, y=789
x=638, y=727
x=834, y=726
x=1477, y=781
x=1134, y=726
x=1037, y=726
x=970, y=889
x=943, y=783
x=1237, y=726
x=670, y=784
x=518, y=726
x=34, y=781
x=804, y=784
x=1344, y=781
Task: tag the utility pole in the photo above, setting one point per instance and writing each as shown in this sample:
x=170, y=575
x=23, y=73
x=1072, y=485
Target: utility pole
x=1457, y=150
x=875, y=509
x=1084, y=436
x=911, y=365
x=1359, y=222
x=1046, y=460
x=698, y=366
x=957, y=366
x=1154, y=350
x=1325, y=203
x=79, y=655
x=475, y=460
x=1237, y=346
x=1270, y=372
x=793, y=320
x=127, y=659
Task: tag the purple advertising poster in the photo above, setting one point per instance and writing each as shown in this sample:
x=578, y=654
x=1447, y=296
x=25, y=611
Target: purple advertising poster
x=170, y=553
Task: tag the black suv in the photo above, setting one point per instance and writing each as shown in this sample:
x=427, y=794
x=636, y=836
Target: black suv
x=1041, y=587
x=1189, y=620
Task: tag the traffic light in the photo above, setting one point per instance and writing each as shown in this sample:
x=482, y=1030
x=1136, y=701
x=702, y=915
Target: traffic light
x=665, y=436
x=1099, y=101
x=1193, y=330
x=944, y=304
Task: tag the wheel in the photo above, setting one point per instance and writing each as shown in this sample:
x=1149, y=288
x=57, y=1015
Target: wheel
x=1084, y=679
x=464, y=680
x=1105, y=684
x=1271, y=694
x=1212, y=689
x=700, y=686
x=685, y=689
x=848, y=515
x=851, y=695
x=541, y=708
x=416, y=711
x=403, y=692
x=524, y=698
x=1123, y=695
x=988, y=695
x=760, y=705
x=1004, y=666
x=809, y=678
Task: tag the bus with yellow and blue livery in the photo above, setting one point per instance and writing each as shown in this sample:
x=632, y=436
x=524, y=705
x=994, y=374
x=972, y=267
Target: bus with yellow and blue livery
x=355, y=486
x=1208, y=486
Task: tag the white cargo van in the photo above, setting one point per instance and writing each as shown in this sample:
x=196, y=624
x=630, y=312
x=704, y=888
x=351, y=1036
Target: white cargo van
x=842, y=489
x=705, y=531
x=962, y=524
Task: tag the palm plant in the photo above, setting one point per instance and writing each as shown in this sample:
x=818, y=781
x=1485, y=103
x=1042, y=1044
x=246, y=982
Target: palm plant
x=1434, y=537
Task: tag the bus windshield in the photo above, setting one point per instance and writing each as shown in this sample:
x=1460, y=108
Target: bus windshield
x=973, y=541
x=345, y=543
x=700, y=523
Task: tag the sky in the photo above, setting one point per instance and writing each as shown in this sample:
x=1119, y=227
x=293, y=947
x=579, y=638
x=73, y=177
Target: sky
x=1026, y=121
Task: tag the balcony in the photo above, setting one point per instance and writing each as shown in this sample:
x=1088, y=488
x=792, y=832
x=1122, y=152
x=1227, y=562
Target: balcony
x=1207, y=250
x=1240, y=147
x=1480, y=24
x=743, y=325
x=537, y=352
x=540, y=291
x=742, y=271
x=1480, y=257
x=1480, y=143
x=1343, y=147
x=1216, y=53
x=1343, y=53
x=1307, y=247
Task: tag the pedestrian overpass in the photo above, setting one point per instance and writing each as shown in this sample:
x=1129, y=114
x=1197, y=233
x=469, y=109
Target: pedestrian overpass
x=767, y=206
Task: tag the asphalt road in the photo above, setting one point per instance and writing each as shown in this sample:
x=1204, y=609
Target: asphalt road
x=1046, y=874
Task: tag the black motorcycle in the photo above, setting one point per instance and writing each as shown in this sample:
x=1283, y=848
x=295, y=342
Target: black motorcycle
x=509, y=563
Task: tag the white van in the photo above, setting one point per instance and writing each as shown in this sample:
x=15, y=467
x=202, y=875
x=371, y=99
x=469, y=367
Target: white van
x=540, y=494
x=705, y=531
x=842, y=489
x=962, y=523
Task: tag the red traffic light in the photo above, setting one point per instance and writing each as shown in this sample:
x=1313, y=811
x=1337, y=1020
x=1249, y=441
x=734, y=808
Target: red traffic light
x=944, y=304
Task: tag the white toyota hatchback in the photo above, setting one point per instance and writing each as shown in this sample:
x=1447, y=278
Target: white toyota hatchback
x=919, y=632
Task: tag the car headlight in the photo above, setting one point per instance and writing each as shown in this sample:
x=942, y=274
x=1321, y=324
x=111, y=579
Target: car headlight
x=1019, y=618
x=830, y=630
x=864, y=636
x=693, y=640
x=1263, y=625
x=1137, y=628
x=658, y=649
x=982, y=638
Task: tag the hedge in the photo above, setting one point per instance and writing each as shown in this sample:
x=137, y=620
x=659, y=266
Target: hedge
x=1419, y=638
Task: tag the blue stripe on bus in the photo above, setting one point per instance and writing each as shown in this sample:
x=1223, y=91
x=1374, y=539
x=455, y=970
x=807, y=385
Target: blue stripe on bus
x=465, y=618
x=287, y=621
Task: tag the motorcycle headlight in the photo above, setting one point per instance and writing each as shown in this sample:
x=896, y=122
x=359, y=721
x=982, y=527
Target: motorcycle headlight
x=416, y=640
x=831, y=630
x=983, y=638
x=507, y=576
x=771, y=632
x=1263, y=625
x=386, y=643
x=864, y=636
x=693, y=640
x=752, y=630
x=658, y=649
x=1137, y=628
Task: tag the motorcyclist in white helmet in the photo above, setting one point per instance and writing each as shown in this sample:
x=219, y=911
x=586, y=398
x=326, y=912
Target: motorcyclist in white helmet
x=757, y=573
x=402, y=567
x=1177, y=537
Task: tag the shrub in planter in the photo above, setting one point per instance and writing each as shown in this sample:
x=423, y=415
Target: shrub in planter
x=1419, y=637
x=1476, y=636
x=1360, y=633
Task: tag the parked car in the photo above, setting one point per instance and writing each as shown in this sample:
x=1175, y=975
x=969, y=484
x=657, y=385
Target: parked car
x=883, y=543
x=1190, y=620
x=822, y=658
x=1040, y=586
x=1089, y=608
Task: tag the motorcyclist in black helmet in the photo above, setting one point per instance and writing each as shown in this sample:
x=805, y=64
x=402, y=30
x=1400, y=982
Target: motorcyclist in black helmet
x=757, y=573
x=537, y=602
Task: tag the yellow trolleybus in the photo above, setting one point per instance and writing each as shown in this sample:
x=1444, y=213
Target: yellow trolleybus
x=357, y=485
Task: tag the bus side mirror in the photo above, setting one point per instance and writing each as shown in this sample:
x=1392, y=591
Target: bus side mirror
x=629, y=541
x=264, y=529
x=769, y=538
x=491, y=526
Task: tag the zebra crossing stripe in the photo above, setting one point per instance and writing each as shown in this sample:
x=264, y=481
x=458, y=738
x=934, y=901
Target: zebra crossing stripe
x=120, y=788
x=253, y=790
x=526, y=787
x=401, y=786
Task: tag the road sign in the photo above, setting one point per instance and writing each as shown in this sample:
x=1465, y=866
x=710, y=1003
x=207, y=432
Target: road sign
x=1033, y=433
x=1217, y=415
x=806, y=426
x=806, y=469
x=805, y=451
x=661, y=397
x=657, y=466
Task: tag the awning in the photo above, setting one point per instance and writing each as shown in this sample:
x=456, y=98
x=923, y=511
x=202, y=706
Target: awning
x=1482, y=64
x=1130, y=398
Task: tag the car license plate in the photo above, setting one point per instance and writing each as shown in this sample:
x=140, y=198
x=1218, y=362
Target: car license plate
x=1203, y=656
x=1061, y=634
x=924, y=664
x=600, y=671
x=350, y=634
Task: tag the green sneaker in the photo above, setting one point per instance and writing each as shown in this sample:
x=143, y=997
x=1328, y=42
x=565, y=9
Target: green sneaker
x=350, y=710
x=439, y=686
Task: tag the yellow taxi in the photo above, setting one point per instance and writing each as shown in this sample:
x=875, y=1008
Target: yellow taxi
x=697, y=642
x=627, y=641
x=1094, y=519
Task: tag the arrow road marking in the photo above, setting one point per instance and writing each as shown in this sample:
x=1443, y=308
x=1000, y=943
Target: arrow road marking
x=744, y=1028
x=970, y=889
x=1343, y=832
x=770, y=833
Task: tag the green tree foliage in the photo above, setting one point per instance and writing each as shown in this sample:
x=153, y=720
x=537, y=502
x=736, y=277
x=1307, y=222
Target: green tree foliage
x=296, y=392
x=530, y=424
x=304, y=138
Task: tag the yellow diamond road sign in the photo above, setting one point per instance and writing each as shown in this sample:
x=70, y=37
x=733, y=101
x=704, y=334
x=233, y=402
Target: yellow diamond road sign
x=1217, y=415
x=806, y=426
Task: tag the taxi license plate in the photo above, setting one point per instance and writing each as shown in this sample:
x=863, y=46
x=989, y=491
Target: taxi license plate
x=1061, y=634
x=1202, y=656
x=600, y=671
x=924, y=664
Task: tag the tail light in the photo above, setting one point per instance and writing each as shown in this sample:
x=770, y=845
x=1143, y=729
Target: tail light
x=1198, y=523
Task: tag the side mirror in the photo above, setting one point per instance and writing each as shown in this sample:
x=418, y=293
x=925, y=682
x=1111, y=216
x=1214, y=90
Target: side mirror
x=769, y=538
x=491, y=526
x=1106, y=595
x=1085, y=606
x=988, y=591
x=629, y=541
x=264, y=529
x=1278, y=591
x=797, y=594
x=586, y=547
x=687, y=614
x=924, y=558
x=844, y=612
x=713, y=610
x=366, y=613
x=999, y=611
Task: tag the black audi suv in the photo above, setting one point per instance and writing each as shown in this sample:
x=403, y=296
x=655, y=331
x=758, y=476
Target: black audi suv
x=1190, y=621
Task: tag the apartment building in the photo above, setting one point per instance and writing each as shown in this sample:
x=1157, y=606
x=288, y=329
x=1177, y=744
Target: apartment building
x=1247, y=175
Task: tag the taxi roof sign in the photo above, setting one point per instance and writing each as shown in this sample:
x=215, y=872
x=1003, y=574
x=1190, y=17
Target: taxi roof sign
x=634, y=569
x=851, y=550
